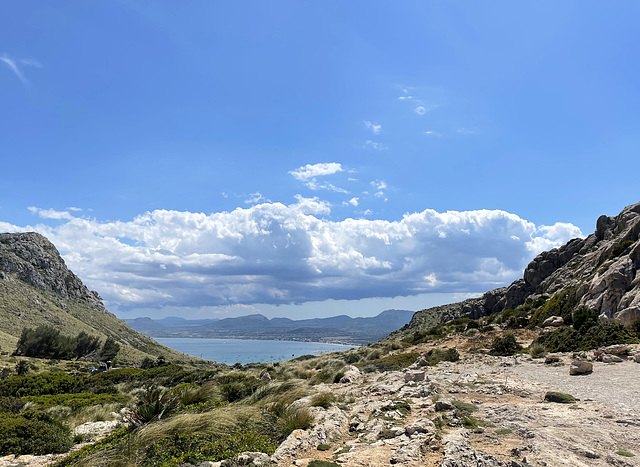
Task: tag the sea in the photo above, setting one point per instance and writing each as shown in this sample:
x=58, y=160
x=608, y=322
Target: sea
x=245, y=351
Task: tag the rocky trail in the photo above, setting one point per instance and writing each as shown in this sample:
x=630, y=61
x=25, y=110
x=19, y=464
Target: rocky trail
x=512, y=425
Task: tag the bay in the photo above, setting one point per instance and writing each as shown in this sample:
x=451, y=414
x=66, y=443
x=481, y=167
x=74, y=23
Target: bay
x=245, y=351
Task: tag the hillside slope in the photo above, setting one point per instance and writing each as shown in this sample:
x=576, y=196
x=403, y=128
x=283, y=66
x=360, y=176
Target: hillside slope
x=600, y=272
x=36, y=288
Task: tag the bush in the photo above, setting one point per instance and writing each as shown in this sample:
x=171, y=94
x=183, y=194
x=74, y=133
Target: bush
x=599, y=335
x=561, y=304
x=196, y=448
x=323, y=447
x=76, y=401
x=47, y=342
x=435, y=356
x=237, y=386
x=44, y=383
x=505, y=345
x=322, y=464
x=32, y=433
x=155, y=404
x=584, y=318
x=390, y=362
x=109, y=350
x=559, y=397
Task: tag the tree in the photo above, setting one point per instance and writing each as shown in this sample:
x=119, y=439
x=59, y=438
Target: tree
x=109, y=350
x=22, y=367
x=86, y=344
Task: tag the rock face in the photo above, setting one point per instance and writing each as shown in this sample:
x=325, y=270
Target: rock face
x=37, y=288
x=31, y=258
x=603, y=270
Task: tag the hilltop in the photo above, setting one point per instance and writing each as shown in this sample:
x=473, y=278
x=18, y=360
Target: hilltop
x=37, y=288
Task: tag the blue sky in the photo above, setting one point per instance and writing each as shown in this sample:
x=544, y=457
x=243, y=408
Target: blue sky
x=298, y=158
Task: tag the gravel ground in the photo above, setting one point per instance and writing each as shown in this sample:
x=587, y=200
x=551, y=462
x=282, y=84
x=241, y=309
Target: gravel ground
x=616, y=385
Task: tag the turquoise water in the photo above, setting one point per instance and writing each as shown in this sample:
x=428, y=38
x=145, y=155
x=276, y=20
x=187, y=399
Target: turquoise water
x=244, y=351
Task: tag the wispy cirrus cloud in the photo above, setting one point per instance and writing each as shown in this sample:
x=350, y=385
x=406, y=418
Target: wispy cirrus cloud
x=14, y=65
x=374, y=128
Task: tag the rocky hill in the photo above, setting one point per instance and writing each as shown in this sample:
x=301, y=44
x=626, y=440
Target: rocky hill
x=600, y=272
x=36, y=288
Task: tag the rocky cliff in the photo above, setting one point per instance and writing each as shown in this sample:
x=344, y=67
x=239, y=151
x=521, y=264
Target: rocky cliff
x=36, y=288
x=603, y=270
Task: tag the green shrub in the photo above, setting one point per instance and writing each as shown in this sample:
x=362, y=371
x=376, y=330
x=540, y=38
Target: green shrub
x=44, y=383
x=323, y=447
x=10, y=405
x=536, y=350
x=317, y=463
x=390, y=362
x=625, y=453
x=559, y=397
x=561, y=304
x=463, y=409
x=196, y=448
x=505, y=345
x=237, y=386
x=435, y=356
x=32, y=433
x=584, y=318
x=599, y=335
x=619, y=249
x=76, y=401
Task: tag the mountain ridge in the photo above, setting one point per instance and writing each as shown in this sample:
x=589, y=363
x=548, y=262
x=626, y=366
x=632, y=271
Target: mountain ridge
x=37, y=288
x=602, y=271
x=341, y=328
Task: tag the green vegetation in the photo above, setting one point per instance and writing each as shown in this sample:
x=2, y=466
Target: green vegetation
x=323, y=447
x=76, y=401
x=322, y=464
x=621, y=248
x=435, y=356
x=559, y=397
x=625, y=453
x=599, y=335
x=47, y=342
x=323, y=399
x=32, y=433
x=389, y=363
x=505, y=345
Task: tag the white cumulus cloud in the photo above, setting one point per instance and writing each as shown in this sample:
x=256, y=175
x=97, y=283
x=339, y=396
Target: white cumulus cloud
x=273, y=253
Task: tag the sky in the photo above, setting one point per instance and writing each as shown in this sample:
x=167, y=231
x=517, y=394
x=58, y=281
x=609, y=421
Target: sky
x=296, y=158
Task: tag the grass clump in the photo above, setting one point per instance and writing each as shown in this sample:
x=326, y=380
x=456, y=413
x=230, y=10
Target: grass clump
x=390, y=362
x=323, y=399
x=559, y=397
x=536, y=350
x=625, y=453
x=322, y=464
x=463, y=409
x=504, y=431
x=323, y=447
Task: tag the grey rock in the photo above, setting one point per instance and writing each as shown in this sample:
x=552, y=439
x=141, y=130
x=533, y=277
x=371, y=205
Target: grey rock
x=553, y=321
x=579, y=367
x=415, y=375
x=443, y=406
x=607, y=358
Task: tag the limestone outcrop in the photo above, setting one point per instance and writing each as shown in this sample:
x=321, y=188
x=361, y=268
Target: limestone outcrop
x=603, y=270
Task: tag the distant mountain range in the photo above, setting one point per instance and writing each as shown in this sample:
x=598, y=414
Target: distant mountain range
x=337, y=329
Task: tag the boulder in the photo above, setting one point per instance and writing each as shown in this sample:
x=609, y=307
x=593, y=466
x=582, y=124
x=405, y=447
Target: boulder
x=352, y=375
x=607, y=358
x=415, y=375
x=553, y=321
x=443, y=406
x=579, y=367
x=636, y=357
